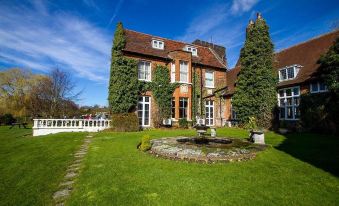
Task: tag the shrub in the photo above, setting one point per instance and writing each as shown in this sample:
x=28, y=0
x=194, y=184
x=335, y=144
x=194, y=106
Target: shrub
x=183, y=123
x=318, y=112
x=7, y=119
x=251, y=124
x=145, y=143
x=127, y=122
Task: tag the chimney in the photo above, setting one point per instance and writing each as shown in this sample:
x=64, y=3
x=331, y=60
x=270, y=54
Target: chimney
x=249, y=26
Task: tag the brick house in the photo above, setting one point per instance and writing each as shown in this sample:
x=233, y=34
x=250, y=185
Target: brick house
x=183, y=60
x=296, y=68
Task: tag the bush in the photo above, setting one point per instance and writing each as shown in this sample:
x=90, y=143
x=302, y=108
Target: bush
x=318, y=112
x=183, y=123
x=128, y=122
x=145, y=143
x=7, y=119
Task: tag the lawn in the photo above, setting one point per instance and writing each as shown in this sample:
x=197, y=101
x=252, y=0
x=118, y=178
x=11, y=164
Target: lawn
x=31, y=168
x=299, y=169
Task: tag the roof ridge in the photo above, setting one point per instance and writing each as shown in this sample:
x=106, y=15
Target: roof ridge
x=218, y=58
x=307, y=41
x=166, y=38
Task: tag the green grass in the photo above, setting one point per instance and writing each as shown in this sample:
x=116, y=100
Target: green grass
x=31, y=168
x=299, y=169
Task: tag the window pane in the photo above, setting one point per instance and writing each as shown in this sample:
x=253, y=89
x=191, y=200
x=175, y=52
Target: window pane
x=282, y=112
x=281, y=93
x=183, y=71
x=173, y=108
x=322, y=86
x=288, y=92
x=289, y=101
x=296, y=100
x=141, y=70
x=290, y=72
x=296, y=112
x=282, y=102
x=314, y=87
x=283, y=75
x=295, y=91
x=289, y=112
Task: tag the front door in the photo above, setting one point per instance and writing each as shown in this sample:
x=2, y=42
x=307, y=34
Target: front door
x=144, y=111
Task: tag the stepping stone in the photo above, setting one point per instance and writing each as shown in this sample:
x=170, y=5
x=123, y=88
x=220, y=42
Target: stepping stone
x=60, y=204
x=70, y=175
x=78, y=161
x=61, y=195
x=67, y=183
x=74, y=165
x=73, y=169
x=80, y=153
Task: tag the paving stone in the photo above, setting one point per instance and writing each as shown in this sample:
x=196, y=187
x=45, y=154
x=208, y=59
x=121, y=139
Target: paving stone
x=61, y=195
x=77, y=161
x=73, y=169
x=70, y=175
x=67, y=183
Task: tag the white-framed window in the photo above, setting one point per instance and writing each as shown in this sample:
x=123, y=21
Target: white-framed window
x=209, y=79
x=317, y=87
x=173, y=72
x=288, y=73
x=192, y=49
x=209, y=108
x=183, y=108
x=173, y=108
x=144, y=71
x=288, y=102
x=144, y=111
x=183, y=71
x=158, y=44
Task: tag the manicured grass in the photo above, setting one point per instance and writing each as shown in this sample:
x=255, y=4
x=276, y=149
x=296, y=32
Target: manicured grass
x=32, y=167
x=299, y=169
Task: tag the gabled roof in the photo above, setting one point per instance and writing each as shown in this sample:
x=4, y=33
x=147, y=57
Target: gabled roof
x=305, y=54
x=141, y=43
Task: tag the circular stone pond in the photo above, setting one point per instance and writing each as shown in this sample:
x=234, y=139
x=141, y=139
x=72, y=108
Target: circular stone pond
x=205, y=149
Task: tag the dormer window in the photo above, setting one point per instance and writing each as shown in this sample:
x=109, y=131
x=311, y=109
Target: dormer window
x=191, y=49
x=158, y=44
x=288, y=73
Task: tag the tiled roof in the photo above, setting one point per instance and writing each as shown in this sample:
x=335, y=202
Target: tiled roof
x=305, y=54
x=140, y=43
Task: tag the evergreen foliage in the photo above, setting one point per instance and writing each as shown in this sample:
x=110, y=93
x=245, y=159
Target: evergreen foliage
x=329, y=67
x=123, y=85
x=256, y=86
x=162, y=90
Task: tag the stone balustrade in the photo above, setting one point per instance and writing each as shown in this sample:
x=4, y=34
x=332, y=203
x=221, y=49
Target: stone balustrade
x=52, y=126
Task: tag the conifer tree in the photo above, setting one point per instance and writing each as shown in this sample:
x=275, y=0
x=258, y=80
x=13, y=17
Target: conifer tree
x=123, y=84
x=329, y=67
x=256, y=85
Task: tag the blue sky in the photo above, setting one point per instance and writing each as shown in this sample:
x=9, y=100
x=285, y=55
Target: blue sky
x=77, y=35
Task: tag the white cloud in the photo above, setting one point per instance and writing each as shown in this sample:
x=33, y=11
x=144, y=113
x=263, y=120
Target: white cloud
x=40, y=40
x=240, y=6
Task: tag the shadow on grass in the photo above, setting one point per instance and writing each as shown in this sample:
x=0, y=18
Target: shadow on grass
x=319, y=150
